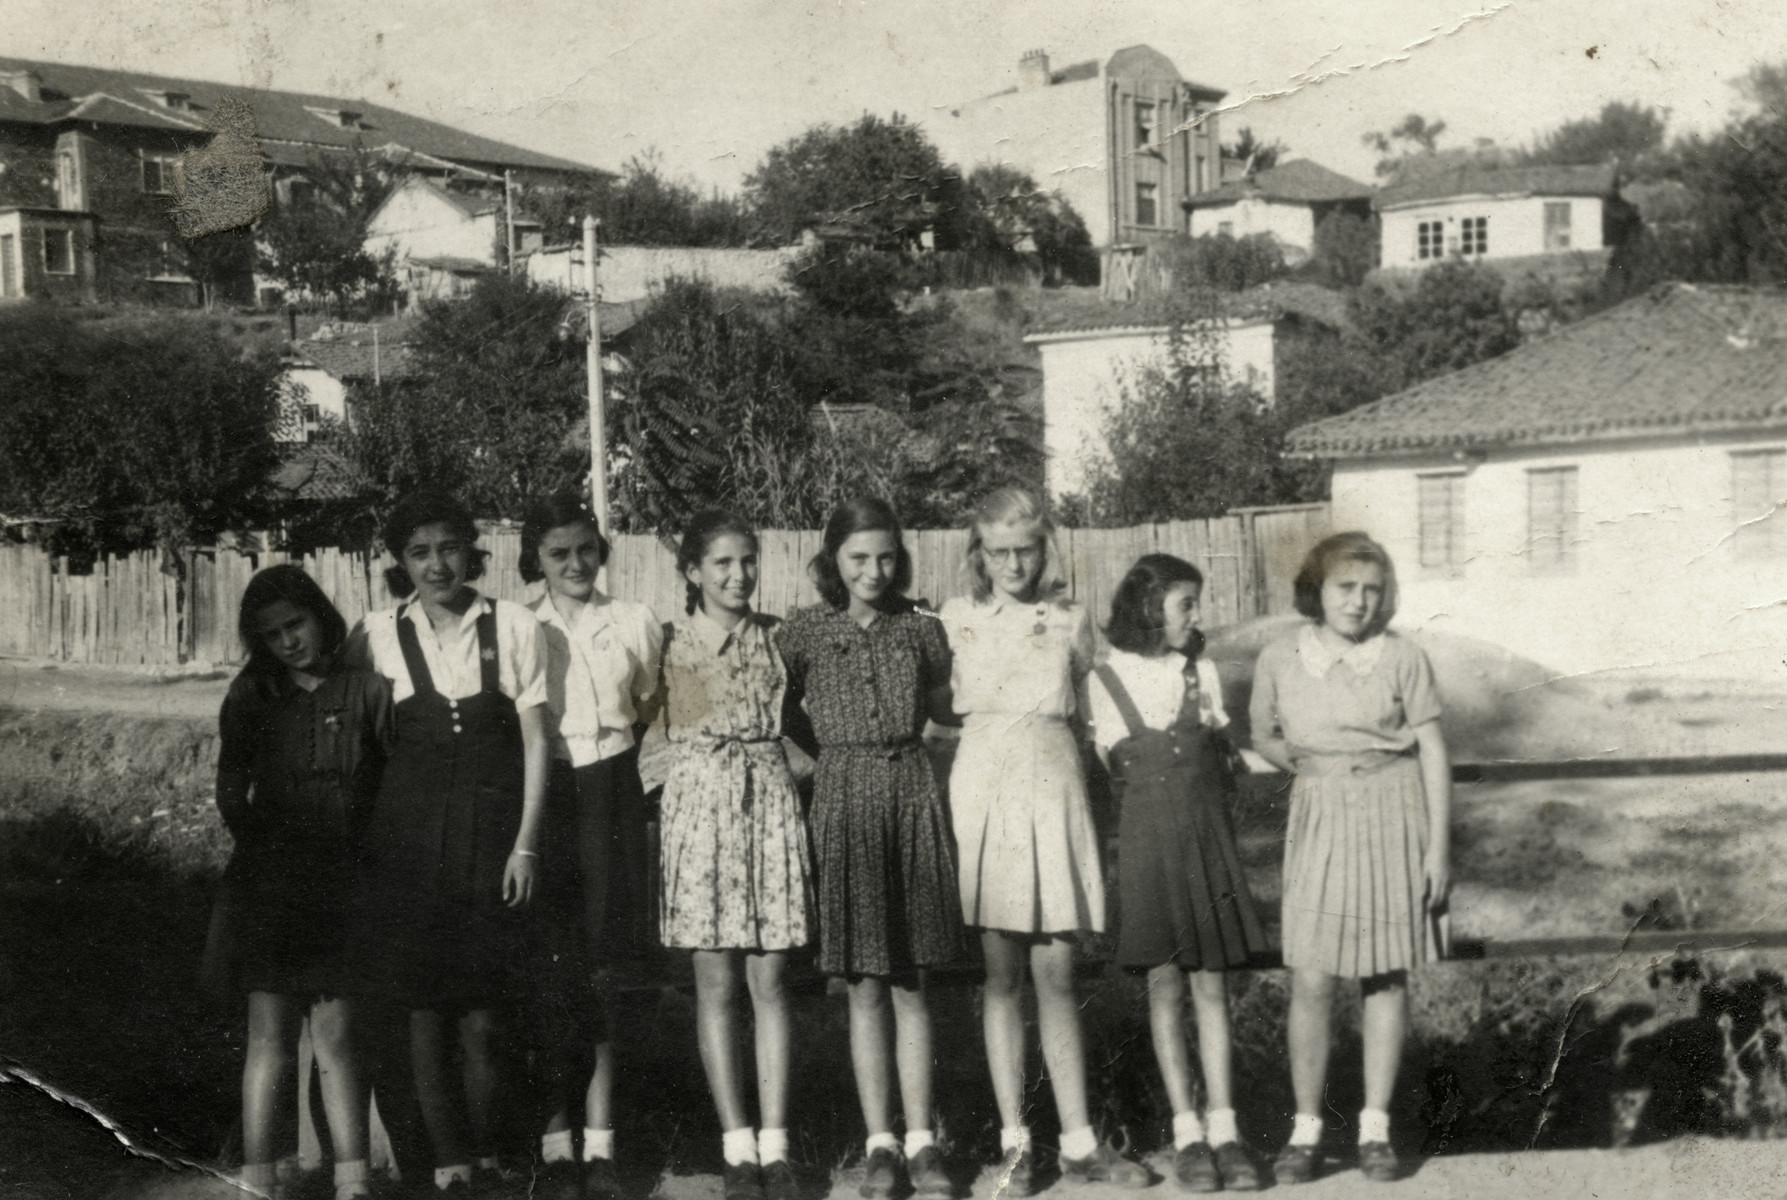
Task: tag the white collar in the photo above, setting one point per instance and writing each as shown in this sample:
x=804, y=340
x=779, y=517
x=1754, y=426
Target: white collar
x=710, y=634
x=1319, y=658
x=412, y=608
x=596, y=612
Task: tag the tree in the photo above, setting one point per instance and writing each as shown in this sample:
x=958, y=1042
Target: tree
x=316, y=243
x=1737, y=232
x=128, y=433
x=1344, y=252
x=1224, y=263
x=1005, y=207
x=884, y=176
x=1254, y=154
x=1452, y=317
x=1630, y=134
x=643, y=207
x=499, y=414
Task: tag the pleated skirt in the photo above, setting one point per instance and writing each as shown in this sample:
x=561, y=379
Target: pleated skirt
x=1354, y=886
x=734, y=851
x=1024, y=834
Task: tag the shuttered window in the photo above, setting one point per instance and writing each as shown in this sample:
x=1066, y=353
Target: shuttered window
x=1551, y=518
x=1440, y=518
x=1758, y=492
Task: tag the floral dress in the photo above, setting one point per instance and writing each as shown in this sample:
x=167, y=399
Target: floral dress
x=734, y=844
x=888, y=899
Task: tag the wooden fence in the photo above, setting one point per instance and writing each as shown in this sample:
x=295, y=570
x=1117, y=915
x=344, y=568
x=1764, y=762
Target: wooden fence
x=129, y=611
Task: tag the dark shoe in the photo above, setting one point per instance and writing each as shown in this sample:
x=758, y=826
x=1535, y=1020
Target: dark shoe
x=780, y=1182
x=1378, y=1161
x=1017, y=1176
x=881, y=1175
x=929, y=1180
x=742, y=1181
x=1236, y=1167
x=600, y=1180
x=1105, y=1165
x=1295, y=1164
x=560, y=1180
x=1194, y=1168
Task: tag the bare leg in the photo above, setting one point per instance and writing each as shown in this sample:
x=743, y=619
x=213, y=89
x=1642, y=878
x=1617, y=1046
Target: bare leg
x=1002, y=1019
x=716, y=1028
x=1311, y=1035
x=1166, y=1018
x=1210, y=997
x=1385, y=1029
x=767, y=976
x=269, y=1074
x=477, y=1035
x=437, y=1093
x=912, y=1049
x=869, y=1057
x=344, y=1091
x=598, y=1100
x=1058, y=1018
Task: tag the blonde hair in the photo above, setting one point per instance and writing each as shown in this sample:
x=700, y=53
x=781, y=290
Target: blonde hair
x=1014, y=506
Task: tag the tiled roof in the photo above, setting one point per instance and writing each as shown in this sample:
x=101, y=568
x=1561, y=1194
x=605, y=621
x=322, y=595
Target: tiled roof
x=1085, y=310
x=346, y=351
x=279, y=116
x=313, y=471
x=1299, y=181
x=1682, y=359
x=1595, y=180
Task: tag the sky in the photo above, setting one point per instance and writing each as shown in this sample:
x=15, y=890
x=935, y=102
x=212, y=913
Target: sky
x=708, y=85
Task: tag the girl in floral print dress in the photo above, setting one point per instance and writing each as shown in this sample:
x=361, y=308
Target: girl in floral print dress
x=871, y=666
x=736, y=890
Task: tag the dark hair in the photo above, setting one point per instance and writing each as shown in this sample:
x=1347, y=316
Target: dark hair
x=864, y=514
x=1138, y=607
x=543, y=516
x=427, y=506
x=704, y=529
x=288, y=582
x=1328, y=553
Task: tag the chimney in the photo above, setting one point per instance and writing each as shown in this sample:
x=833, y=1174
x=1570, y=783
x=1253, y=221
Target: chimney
x=1033, y=71
x=28, y=84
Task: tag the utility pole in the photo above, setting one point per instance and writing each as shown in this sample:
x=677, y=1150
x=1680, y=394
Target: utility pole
x=598, y=425
x=509, y=217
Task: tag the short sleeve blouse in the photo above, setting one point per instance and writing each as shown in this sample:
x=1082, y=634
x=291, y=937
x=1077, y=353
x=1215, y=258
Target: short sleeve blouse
x=1156, y=685
x=864, y=686
x=452, y=656
x=1367, y=699
x=721, y=683
x=1017, y=659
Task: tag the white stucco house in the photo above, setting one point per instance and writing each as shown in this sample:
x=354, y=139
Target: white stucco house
x=1091, y=351
x=1606, y=497
x=1285, y=202
x=442, y=238
x=1496, y=214
x=318, y=373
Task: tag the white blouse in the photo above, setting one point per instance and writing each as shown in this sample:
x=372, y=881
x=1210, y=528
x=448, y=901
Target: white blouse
x=1017, y=660
x=452, y=655
x=601, y=667
x=1156, y=686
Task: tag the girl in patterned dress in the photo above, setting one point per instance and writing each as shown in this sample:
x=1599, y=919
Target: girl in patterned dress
x=871, y=666
x=1030, y=873
x=1187, y=916
x=303, y=740
x=734, y=844
x=1351, y=709
x=601, y=673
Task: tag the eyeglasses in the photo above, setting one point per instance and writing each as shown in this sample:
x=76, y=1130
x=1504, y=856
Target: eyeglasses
x=1006, y=554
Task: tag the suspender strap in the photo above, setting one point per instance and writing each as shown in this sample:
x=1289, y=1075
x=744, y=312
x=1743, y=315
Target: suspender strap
x=1119, y=694
x=421, y=682
x=489, y=677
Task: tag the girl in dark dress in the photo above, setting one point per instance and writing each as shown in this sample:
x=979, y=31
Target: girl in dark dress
x=1186, y=914
x=303, y=743
x=871, y=666
x=451, y=845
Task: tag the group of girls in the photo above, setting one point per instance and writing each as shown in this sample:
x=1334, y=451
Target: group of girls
x=442, y=816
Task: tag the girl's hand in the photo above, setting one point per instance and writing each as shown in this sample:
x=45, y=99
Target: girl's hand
x=1438, y=873
x=518, y=879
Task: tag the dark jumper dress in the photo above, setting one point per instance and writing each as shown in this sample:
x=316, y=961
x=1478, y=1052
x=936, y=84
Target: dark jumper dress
x=432, y=926
x=1181, y=885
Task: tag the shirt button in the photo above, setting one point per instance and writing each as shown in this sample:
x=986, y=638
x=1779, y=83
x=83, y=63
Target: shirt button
x=452, y=704
x=457, y=729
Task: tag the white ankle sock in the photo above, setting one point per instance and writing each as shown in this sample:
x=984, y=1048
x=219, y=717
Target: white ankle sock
x=739, y=1146
x=1221, y=1122
x=1307, y=1130
x=1079, y=1143
x=1374, y=1125
x=881, y=1141
x=1014, y=1137
x=598, y=1143
x=1187, y=1130
x=457, y=1173
x=772, y=1146
x=352, y=1179
x=557, y=1147
x=918, y=1139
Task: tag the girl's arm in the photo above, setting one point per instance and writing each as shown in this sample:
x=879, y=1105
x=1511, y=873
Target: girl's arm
x=1436, y=781
x=1262, y=715
x=523, y=866
x=235, y=765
